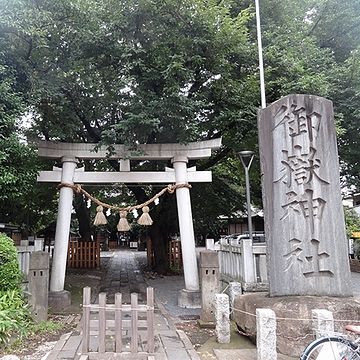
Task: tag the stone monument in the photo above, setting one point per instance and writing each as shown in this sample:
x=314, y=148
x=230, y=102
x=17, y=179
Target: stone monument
x=304, y=222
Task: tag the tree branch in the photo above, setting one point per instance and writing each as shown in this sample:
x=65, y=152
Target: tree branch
x=94, y=133
x=221, y=154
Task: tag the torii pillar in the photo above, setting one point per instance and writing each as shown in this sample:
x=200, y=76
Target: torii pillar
x=190, y=296
x=58, y=297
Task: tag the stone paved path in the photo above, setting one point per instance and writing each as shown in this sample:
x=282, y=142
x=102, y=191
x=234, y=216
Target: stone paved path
x=123, y=275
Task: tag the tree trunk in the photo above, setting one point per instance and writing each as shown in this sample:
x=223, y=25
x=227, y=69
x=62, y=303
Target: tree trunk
x=165, y=224
x=159, y=245
x=83, y=216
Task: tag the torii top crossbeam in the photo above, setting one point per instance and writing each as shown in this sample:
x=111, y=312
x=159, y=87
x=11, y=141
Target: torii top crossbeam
x=193, y=150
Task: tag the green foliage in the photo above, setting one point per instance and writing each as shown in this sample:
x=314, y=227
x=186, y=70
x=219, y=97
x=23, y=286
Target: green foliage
x=352, y=221
x=313, y=47
x=45, y=327
x=10, y=274
x=14, y=316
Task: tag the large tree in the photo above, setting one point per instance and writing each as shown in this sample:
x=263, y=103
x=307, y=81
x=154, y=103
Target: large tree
x=313, y=47
x=133, y=72
x=21, y=200
x=175, y=71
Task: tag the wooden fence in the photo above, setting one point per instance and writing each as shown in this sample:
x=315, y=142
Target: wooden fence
x=108, y=329
x=175, y=256
x=83, y=254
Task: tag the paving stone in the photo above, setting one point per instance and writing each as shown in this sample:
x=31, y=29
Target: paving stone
x=177, y=354
x=72, y=343
x=171, y=341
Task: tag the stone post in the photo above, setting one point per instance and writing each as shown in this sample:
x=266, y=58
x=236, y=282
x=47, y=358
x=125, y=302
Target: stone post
x=210, y=285
x=222, y=319
x=39, y=284
x=247, y=261
x=323, y=322
x=235, y=290
x=190, y=296
x=266, y=334
x=58, y=298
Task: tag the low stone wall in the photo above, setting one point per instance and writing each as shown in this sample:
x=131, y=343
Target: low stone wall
x=294, y=329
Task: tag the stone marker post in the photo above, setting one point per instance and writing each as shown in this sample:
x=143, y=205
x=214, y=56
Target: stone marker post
x=304, y=221
x=235, y=290
x=266, y=334
x=323, y=322
x=222, y=318
x=210, y=284
x=39, y=284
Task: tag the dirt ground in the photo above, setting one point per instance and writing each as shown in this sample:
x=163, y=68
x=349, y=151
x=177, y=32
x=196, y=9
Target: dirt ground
x=35, y=346
x=198, y=336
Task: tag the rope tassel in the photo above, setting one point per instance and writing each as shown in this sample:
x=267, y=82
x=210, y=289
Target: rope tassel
x=145, y=218
x=100, y=218
x=123, y=224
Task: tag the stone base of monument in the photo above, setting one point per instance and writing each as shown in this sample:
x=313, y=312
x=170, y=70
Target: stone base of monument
x=294, y=318
x=59, y=300
x=190, y=299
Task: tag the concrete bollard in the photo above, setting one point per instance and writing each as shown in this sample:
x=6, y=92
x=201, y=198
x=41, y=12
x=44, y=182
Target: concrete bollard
x=266, y=334
x=322, y=322
x=222, y=319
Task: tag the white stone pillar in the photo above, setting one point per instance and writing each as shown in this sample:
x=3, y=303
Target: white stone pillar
x=322, y=322
x=62, y=226
x=266, y=334
x=186, y=225
x=222, y=318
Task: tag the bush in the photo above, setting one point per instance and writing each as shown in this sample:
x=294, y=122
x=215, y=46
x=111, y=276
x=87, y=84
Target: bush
x=10, y=274
x=14, y=316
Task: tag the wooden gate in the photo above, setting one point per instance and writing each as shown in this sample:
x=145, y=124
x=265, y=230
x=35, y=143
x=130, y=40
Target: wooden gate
x=83, y=254
x=117, y=328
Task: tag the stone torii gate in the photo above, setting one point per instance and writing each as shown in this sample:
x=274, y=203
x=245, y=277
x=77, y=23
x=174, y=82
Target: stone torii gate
x=179, y=154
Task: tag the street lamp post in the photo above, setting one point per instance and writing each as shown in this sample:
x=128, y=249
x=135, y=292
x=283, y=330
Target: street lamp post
x=246, y=158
